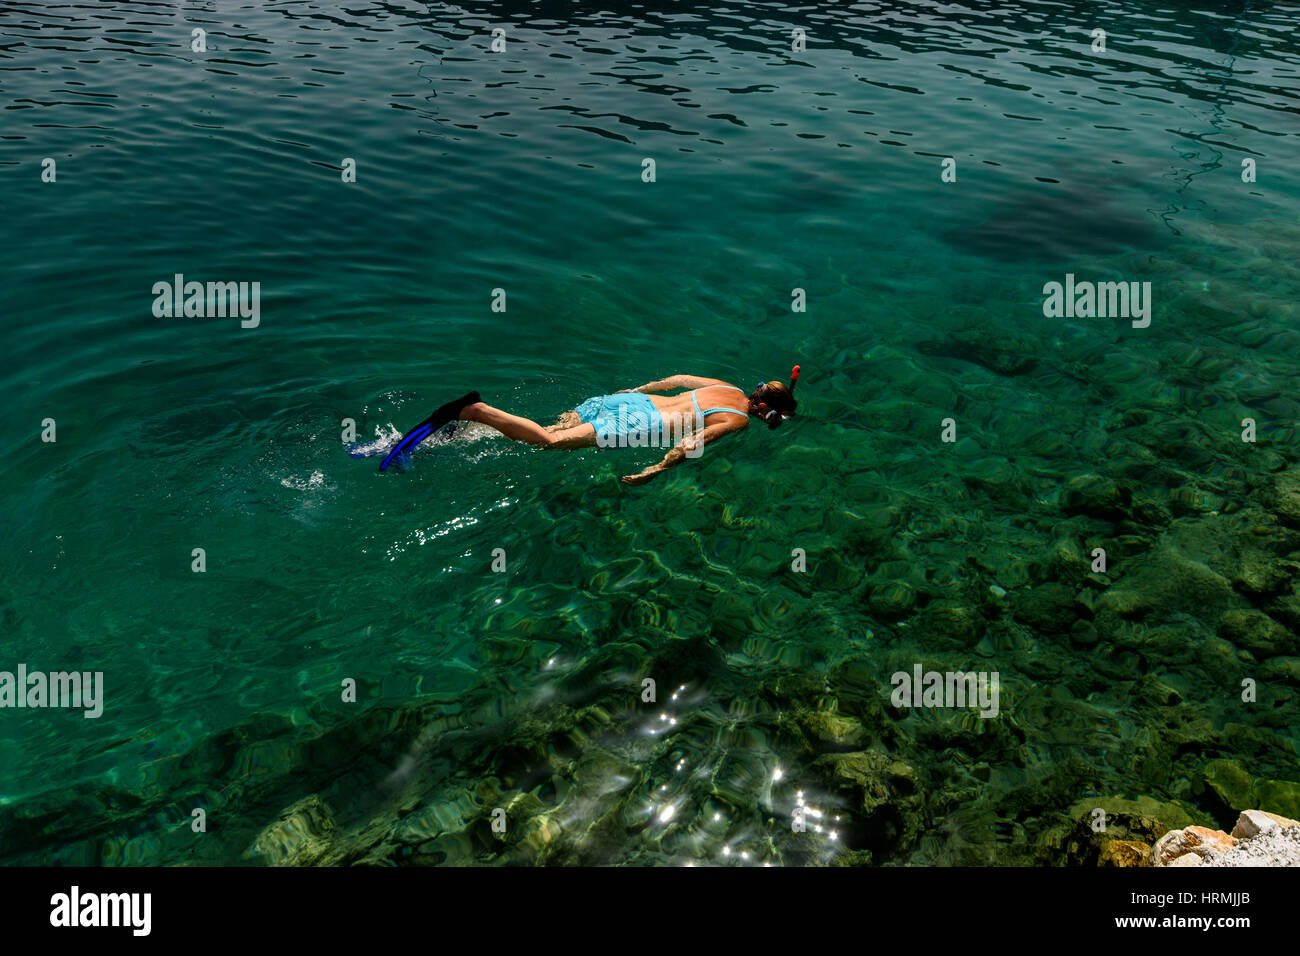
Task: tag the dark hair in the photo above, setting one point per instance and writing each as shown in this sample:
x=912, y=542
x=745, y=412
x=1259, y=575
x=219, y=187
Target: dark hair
x=780, y=402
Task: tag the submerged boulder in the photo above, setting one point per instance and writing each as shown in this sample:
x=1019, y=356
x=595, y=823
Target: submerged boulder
x=893, y=599
x=1257, y=633
x=1048, y=608
x=884, y=795
x=1230, y=783
x=1163, y=586
x=833, y=731
x=1282, y=795
x=1109, y=831
x=1095, y=496
x=947, y=624
x=1124, y=853
x=1285, y=500
x=300, y=836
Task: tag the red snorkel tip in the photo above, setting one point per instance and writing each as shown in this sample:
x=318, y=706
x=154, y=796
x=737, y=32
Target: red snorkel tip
x=794, y=378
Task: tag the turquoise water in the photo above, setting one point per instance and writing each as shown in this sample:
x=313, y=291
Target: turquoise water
x=521, y=170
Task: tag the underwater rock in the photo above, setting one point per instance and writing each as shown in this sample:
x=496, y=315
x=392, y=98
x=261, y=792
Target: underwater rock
x=1138, y=822
x=1230, y=783
x=950, y=625
x=1259, y=576
x=1124, y=853
x=300, y=836
x=1163, y=586
x=732, y=619
x=859, y=694
x=1009, y=574
x=1095, y=496
x=1193, y=501
x=1186, y=444
x=1285, y=499
x=1048, y=608
x=1202, y=842
x=831, y=572
x=520, y=809
x=966, y=348
x=1194, y=365
x=867, y=529
x=541, y=837
x=1059, y=224
x=592, y=813
x=1064, y=561
x=1256, y=632
x=1287, y=610
x=1281, y=669
x=599, y=772
x=1283, y=796
x=1150, y=511
x=892, y=599
x=832, y=730
x=1218, y=656
x=1083, y=633
x=999, y=479
x=1154, y=690
x=1126, y=603
x=853, y=858
x=885, y=797
x=795, y=687
x=448, y=812
x=854, y=679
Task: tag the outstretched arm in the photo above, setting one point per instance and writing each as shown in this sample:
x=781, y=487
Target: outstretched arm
x=692, y=446
x=675, y=381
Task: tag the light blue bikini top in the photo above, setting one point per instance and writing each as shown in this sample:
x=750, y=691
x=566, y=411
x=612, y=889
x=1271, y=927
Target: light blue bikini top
x=710, y=411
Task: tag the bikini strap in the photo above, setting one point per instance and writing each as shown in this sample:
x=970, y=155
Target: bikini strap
x=710, y=411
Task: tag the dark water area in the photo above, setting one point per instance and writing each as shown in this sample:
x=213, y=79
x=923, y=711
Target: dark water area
x=976, y=482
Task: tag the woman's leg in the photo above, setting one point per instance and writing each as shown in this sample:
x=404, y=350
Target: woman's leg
x=582, y=436
x=527, y=430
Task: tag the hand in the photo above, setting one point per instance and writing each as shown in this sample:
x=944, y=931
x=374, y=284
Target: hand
x=624, y=390
x=641, y=478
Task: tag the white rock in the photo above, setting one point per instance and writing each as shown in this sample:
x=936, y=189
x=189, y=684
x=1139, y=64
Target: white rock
x=1252, y=823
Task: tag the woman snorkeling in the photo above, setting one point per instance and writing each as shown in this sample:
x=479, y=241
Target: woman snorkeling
x=631, y=418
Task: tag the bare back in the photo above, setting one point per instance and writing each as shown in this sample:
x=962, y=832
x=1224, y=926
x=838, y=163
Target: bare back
x=682, y=407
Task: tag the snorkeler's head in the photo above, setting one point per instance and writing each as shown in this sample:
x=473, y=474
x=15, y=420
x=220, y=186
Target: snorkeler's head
x=772, y=402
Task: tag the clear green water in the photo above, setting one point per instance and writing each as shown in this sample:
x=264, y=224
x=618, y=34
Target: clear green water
x=521, y=170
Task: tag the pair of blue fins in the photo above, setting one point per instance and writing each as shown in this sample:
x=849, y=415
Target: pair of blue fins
x=444, y=420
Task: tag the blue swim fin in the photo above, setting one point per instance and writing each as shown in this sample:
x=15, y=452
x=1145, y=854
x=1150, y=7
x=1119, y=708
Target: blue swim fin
x=445, y=414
